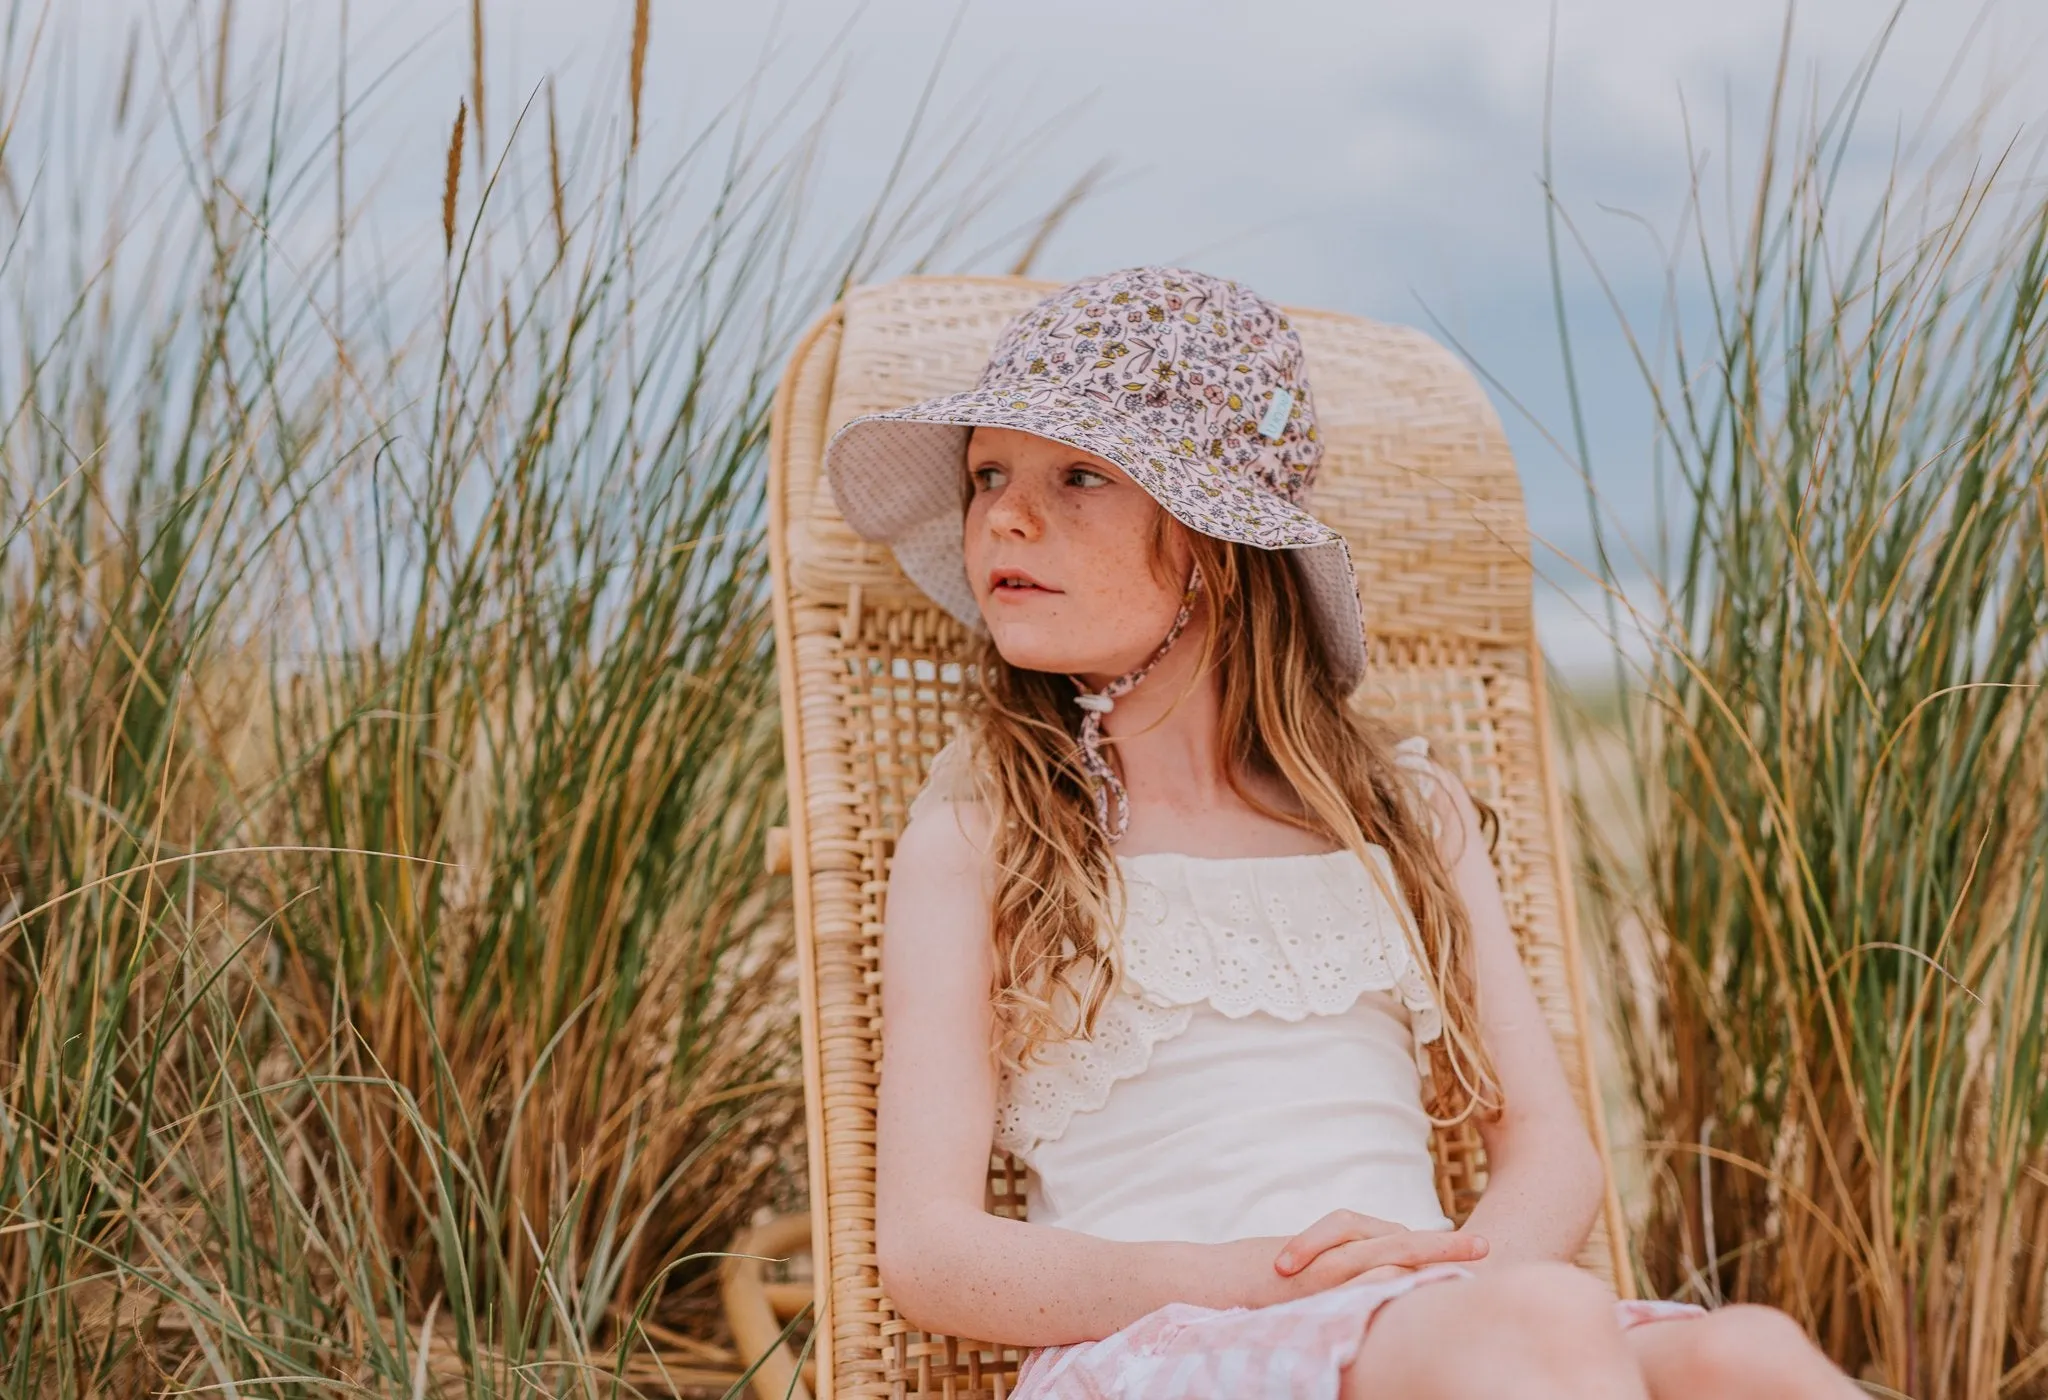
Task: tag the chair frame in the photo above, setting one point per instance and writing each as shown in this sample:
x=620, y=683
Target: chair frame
x=839, y=1320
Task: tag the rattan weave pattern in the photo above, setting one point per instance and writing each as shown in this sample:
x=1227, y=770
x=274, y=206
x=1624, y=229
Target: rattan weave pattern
x=1418, y=477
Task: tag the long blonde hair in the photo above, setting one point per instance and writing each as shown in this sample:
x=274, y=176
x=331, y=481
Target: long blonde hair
x=1058, y=892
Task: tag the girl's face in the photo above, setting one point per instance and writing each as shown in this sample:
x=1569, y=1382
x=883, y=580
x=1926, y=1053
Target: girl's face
x=1060, y=552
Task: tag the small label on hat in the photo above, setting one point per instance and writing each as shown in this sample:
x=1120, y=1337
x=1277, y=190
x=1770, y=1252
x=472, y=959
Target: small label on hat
x=1275, y=421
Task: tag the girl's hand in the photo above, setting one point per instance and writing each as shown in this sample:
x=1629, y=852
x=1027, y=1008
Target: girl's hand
x=1345, y=1245
x=1342, y=1227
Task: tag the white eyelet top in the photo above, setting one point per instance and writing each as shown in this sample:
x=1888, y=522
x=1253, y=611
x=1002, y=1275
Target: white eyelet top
x=1260, y=1064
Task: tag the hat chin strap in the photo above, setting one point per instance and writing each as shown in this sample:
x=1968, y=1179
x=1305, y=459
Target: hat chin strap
x=1112, y=803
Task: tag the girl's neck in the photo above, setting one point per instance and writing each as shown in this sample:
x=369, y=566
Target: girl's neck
x=1168, y=743
x=1166, y=730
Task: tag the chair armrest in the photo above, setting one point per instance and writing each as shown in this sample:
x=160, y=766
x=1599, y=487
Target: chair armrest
x=757, y=1310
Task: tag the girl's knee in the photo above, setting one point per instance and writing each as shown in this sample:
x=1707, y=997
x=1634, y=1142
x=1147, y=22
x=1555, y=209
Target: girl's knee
x=1750, y=1350
x=1542, y=1297
x=1553, y=1318
x=1532, y=1329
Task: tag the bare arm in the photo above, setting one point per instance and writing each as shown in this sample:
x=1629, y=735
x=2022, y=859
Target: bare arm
x=1545, y=1180
x=948, y=1264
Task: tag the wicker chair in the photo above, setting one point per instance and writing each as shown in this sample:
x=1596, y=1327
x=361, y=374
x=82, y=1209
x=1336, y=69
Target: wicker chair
x=1416, y=474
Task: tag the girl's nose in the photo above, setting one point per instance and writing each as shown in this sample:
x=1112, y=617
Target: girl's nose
x=1016, y=510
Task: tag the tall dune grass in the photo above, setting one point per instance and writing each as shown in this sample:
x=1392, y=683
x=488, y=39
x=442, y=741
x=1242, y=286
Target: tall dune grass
x=1833, y=957
x=392, y=1000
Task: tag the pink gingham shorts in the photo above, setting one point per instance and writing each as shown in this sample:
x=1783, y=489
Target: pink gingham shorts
x=1295, y=1350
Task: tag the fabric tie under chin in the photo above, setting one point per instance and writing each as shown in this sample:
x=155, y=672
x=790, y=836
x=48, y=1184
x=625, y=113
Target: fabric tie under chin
x=1112, y=802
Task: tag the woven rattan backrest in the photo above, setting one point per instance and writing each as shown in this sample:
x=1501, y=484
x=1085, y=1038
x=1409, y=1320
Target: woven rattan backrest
x=1418, y=477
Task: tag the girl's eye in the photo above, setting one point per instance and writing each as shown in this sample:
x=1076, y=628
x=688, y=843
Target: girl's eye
x=988, y=478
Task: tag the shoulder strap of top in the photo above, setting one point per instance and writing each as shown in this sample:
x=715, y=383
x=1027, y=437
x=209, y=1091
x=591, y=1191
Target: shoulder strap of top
x=949, y=779
x=1412, y=754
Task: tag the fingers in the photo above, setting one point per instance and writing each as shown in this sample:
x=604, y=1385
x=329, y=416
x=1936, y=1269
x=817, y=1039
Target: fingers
x=1418, y=1247
x=1411, y=1249
x=1338, y=1227
x=1384, y=1271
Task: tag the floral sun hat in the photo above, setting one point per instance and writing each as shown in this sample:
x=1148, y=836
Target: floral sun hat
x=1194, y=385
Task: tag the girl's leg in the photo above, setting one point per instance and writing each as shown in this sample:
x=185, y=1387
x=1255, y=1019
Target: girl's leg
x=1533, y=1331
x=1737, y=1352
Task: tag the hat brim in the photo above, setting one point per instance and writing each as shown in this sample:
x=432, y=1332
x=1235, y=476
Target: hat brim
x=899, y=477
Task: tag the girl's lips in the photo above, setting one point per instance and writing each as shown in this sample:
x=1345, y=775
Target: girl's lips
x=1016, y=583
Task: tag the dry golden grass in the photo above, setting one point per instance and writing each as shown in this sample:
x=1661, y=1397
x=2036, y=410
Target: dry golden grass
x=1822, y=879
x=392, y=998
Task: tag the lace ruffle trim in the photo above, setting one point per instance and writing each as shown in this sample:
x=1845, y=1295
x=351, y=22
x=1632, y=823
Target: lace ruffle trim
x=1290, y=936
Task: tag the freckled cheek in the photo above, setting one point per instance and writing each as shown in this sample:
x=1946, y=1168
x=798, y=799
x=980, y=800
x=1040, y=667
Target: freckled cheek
x=1114, y=569
x=971, y=529
x=974, y=539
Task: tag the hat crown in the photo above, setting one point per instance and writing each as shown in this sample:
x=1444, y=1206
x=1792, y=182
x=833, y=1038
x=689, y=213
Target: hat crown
x=1203, y=361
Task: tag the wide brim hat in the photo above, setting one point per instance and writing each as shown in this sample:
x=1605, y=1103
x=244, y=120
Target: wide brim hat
x=1192, y=385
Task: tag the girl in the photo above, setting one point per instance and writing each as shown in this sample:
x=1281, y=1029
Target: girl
x=1206, y=947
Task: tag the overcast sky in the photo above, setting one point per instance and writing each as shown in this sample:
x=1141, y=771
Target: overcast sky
x=1372, y=156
